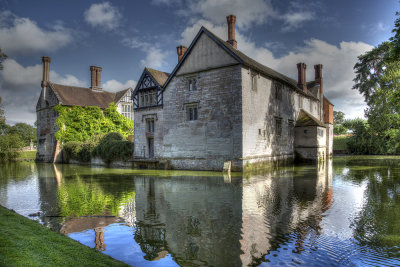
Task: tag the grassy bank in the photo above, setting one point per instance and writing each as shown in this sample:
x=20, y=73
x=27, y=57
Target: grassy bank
x=27, y=155
x=24, y=242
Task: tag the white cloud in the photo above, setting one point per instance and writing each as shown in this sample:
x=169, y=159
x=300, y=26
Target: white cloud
x=103, y=15
x=338, y=63
x=24, y=36
x=115, y=86
x=294, y=20
x=155, y=57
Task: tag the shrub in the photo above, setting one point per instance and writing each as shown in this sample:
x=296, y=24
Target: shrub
x=10, y=145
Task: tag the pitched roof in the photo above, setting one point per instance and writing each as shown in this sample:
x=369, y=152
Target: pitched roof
x=81, y=96
x=306, y=119
x=160, y=76
x=243, y=59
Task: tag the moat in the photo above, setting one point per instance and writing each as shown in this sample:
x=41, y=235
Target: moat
x=345, y=212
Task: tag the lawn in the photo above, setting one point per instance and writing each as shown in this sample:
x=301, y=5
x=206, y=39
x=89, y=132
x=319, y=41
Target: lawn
x=24, y=242
x=27, y=155
x=339, y=142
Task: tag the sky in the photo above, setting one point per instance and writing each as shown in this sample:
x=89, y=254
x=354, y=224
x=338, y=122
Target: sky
x=124, y=36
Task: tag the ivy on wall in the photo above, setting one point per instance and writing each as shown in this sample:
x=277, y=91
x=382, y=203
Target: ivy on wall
x=78, y=124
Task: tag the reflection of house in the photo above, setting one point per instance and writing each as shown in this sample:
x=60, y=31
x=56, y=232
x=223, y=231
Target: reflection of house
x=205, y=221
x=219, y=105
x=56, y=94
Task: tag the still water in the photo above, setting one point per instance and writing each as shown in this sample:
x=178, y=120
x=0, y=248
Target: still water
x=342, y=213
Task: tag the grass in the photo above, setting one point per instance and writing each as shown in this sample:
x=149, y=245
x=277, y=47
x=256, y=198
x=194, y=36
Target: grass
x=339, y=142
x=27, y=155
x=24, y=242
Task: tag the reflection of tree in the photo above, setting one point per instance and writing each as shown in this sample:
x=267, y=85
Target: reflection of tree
x=378, y=223
x=78, y=197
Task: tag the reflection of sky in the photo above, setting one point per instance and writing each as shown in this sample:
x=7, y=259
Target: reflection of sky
x=348, y=200
x=22, y=196
x=119, y=239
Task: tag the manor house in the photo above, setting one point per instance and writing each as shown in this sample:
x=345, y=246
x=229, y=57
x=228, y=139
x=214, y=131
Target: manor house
x=219, y=106
x=52, y=94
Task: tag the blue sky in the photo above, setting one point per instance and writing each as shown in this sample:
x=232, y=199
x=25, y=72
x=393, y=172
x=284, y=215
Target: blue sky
x=125, y=36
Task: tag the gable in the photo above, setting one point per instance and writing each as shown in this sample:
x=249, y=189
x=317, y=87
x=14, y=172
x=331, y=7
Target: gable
x=205, y=54
x=146, y=82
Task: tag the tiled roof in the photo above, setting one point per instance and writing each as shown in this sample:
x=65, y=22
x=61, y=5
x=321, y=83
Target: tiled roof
x=306, y=119
x=160, y=76
x=81, y=96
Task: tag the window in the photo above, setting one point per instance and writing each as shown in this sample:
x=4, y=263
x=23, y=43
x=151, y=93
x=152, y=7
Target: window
x=291, y=127
x=192, y=82
x=321, y=132
x=278, y=91
x=278, y=126
x=126, y=111
x=254, y=78
x=148, y=98
x=150, y=125
x=300, y=102
x=191, y=112
x=127, y=98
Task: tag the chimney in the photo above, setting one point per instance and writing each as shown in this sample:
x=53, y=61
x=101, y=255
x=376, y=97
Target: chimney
x=46, y=71
x=181, y=50
x=231, y=19
x=318, y=77
x=302, y=84
x=95, y=77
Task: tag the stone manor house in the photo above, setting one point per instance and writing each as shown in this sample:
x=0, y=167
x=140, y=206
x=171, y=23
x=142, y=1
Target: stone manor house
x=52, y=94
x=218, y=106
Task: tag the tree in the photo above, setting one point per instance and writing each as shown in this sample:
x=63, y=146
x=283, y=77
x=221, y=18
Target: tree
x=2, y=58
x=25, y=131
x=338, y=119
x=378, y=80
x=10, y=145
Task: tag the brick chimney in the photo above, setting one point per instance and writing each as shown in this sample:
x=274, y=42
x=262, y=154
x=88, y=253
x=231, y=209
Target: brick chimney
x=302, y=84
x=231, y=20
x=318, y=77
x=95, y=77
x=46, y=71
x=181, y=50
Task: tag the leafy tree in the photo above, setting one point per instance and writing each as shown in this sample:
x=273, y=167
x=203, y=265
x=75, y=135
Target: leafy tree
x=25, y=131
x=378, y=79
x=10, y=145
x=3, y=125
x=338, y=119
x=2, y=58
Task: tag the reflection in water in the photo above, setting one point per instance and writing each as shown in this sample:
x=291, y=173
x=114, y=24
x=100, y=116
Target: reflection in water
x=288, y=215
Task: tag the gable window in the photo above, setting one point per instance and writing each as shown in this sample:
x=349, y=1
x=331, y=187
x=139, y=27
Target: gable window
x=254, y=78
x=191, y=112
x=192, y=84
x=278, y=91
x=278, y=126
x=127, y=98
x=148, y=98
x=150, y=125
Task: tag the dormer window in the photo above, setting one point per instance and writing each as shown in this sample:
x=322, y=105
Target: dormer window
x=192, y=83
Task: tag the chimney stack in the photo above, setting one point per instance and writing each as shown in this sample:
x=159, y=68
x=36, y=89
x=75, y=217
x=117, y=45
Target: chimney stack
x=302, y=84
x=95, y=77
x=318, y=77
x=181, y=50
x=46, y=71
x=231, y=20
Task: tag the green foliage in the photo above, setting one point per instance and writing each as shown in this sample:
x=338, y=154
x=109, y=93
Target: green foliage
x=339, y=142
x=109, y=148
x=10, y=145
x=338, y=119
x=378, y=80
x=2, y=58
x=25, y=131
x=339, y=129
x=79, y=124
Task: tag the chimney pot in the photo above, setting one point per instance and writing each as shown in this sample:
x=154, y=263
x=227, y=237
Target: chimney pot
x=318, y=77
x=46, y=71
x=302, y=84
x=181, y=50
x=231, y=20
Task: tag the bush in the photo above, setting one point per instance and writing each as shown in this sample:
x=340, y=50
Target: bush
x=10, y=146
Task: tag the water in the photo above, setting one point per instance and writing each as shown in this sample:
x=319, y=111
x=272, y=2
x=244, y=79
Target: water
x=345, y=213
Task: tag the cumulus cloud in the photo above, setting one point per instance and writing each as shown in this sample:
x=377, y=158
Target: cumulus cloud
x=338, y=63
x=155, y=56
x=24, y=36
x=115, y=86
x=20, y=89
x=103, y=15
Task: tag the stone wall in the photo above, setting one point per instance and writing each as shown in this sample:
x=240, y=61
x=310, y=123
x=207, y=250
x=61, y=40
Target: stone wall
x=46, y=128
x=215, y=137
